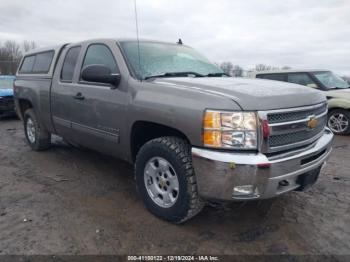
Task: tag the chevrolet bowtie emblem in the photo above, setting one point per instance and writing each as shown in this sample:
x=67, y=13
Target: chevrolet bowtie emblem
x=312, y=123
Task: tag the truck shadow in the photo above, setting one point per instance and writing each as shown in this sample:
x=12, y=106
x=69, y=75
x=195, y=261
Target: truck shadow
x=105, y=195
x=252, y=217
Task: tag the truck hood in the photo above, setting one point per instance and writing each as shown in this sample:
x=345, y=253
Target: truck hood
x=339, y=93
x=250, y=94
x=6, y=92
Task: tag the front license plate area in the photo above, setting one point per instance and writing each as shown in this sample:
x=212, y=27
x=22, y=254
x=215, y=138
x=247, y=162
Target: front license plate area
x=307, y=180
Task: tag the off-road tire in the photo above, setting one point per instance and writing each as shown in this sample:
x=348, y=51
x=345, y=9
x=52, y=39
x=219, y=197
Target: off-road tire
x=42, y=137
x=178, y=153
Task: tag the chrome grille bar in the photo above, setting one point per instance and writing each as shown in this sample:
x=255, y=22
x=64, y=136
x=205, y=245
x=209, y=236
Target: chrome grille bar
x=292, y=128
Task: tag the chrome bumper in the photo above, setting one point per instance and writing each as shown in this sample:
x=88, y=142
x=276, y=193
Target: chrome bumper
x=244, y=176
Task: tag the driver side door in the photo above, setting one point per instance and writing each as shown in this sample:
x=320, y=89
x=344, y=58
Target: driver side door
x=98, y=109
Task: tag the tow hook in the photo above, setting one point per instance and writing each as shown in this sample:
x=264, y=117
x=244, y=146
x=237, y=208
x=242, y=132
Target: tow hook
x=284, y=183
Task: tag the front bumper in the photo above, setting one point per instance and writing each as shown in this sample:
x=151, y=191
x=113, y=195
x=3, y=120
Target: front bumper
x=7, y=106
x=222, y=175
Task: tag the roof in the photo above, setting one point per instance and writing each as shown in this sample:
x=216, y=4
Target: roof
x=43, y=49
x=58, y=47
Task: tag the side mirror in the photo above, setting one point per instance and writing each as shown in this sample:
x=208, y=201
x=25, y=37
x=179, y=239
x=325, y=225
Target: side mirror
x=100, y=74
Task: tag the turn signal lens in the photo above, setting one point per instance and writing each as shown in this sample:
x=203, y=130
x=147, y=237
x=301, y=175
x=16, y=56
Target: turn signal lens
x=212, y=119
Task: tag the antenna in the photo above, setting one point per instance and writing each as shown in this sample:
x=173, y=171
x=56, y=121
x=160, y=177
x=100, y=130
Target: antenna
x=137, y=35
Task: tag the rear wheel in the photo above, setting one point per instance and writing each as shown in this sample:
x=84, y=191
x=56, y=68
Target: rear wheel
x=339, y=121
x=166, y=181
x=37, y=137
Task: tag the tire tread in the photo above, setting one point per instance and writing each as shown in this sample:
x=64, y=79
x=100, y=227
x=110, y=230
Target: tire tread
x=183, y=151
x=43, y=139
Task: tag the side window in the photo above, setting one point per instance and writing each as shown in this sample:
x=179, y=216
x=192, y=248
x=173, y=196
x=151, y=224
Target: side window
x=301, y=79
x=277, y=77
x=102, y=55
x=43, y=62
x=27, y=64
x=69, y=63
x=38, y=63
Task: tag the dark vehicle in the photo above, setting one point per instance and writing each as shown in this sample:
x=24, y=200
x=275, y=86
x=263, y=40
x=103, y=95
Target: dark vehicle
x=337, y=92
x=193, y=134
x=7, y=105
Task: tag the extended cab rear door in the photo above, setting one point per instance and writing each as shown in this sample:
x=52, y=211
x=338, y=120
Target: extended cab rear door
x=62, y=91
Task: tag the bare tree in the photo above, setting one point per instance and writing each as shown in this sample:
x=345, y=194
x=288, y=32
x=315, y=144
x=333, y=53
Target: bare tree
x=346, y=78
x=237, y=71
x=28, y=45
x=10, y=55
x=263, y=67
x=227, y=67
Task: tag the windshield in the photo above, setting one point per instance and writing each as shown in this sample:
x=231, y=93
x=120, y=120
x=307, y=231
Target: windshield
x=6, y=83
x=161, y=58
x=331, y=80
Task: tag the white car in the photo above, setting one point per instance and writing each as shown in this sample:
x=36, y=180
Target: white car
x=337, y=91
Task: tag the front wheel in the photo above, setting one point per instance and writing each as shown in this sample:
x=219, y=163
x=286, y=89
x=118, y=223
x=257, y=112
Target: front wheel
x=339, y=121
x=166, y=181
x=37, y=138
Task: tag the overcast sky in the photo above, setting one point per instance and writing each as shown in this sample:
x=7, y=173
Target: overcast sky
x=297, y=33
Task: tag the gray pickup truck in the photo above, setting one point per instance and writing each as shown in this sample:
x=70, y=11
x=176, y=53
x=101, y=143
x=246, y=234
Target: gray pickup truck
x=194, y=134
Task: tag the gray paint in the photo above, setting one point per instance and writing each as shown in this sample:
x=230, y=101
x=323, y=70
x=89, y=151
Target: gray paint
x=103, y=121
x=252, y=94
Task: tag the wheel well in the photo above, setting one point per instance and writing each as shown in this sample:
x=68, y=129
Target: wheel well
x=142, y=132
x=24, y=105
x=338, y=108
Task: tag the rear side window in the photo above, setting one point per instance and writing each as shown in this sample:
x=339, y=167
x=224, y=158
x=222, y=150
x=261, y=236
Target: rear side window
x=277, y=77
x=301, y=79
x=42, y=62
x=69, y=63
x=27, y=64
x=102, y=55
x=37, y=64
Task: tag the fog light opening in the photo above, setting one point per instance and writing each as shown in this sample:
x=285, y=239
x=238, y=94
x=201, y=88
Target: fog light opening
x=245, y=190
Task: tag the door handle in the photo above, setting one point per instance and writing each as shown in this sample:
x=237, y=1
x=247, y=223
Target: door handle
x=79, y=96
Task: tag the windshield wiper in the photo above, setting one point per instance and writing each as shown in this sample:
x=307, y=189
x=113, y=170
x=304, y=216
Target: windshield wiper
x=216, y=74
x=175, y=74
x=337, y=87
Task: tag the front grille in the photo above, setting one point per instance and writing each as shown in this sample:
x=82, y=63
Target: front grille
x=291, y=128
x=292, y=116
x=7, y=103
x=300, y=136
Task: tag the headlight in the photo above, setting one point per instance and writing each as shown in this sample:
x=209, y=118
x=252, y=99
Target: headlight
x=236, y=130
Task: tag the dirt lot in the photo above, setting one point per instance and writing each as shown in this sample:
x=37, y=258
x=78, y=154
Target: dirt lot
x=73, y=201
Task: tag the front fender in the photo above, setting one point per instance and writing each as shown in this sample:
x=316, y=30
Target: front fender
x=179, y=109
x=338, y=103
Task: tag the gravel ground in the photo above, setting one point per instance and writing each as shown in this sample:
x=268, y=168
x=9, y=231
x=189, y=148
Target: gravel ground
x=73, y=201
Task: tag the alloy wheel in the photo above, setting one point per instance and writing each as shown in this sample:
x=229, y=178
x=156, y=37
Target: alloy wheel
x=338, y=123
x=31, y=132
x=161, y=182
